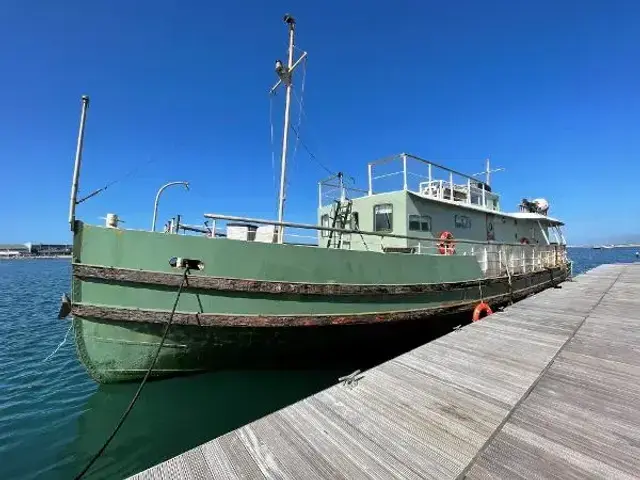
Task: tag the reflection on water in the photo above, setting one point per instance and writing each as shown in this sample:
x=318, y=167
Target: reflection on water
x=177, y=414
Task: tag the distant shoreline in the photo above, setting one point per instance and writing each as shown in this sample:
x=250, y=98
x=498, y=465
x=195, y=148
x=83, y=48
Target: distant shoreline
x=35, y=257
x=606, y=247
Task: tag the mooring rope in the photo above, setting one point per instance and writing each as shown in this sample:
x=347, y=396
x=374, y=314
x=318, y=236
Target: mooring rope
x=64, y=340
x=142, y=383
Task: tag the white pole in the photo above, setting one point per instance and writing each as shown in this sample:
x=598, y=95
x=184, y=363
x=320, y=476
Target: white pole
x=370, y=168
x=488, y=171
x=78, y=162
x=451, y=186
x=285, y=135
x=155, y=204
x=404, y=171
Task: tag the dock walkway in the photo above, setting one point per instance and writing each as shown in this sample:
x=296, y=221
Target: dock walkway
x=549, y=387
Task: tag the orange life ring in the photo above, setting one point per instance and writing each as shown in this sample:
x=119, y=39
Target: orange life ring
x=524, y=241
x=481, y=307
x=447, y=246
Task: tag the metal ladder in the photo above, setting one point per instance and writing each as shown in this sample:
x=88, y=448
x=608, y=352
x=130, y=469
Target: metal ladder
x=340, y=218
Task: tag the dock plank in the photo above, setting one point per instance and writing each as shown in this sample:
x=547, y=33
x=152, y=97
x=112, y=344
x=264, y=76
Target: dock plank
x=548, y=388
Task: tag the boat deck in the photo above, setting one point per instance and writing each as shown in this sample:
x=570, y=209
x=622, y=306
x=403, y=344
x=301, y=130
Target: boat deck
x=549, y=387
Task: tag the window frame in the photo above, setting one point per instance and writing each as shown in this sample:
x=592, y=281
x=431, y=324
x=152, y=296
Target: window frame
x=323, y=217
x=421, y=222
x=389, y=217
x=354, y=221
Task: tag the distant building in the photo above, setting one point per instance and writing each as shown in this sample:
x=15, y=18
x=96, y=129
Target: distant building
x=49, y=249
x=12, y=250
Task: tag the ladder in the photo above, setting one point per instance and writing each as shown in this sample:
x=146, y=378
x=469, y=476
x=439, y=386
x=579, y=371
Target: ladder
x=340, y=219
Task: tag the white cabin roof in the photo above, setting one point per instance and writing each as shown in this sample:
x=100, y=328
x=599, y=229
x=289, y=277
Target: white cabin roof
x=517, y=215
x=536, y=216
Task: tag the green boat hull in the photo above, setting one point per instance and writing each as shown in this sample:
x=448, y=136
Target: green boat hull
x=256, y=304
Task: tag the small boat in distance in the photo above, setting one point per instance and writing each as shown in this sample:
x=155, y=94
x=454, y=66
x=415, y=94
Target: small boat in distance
x=242, y=292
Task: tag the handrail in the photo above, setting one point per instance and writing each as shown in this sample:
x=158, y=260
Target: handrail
x=455, y=172
x=399, y=156
x=308, y=226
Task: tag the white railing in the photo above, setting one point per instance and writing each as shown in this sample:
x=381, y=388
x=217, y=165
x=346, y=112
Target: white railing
x=429, y=179
x=495, y=259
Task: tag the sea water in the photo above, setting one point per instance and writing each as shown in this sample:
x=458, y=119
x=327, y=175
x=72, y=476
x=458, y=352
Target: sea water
x=53, y=417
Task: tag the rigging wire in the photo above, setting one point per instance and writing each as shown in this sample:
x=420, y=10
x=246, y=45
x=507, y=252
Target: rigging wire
x=310, y=153
x=113, y=182
x=273, y=150
x=300, y=101
x=142, y=383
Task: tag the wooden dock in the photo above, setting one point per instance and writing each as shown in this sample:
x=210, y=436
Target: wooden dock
x=548, y=388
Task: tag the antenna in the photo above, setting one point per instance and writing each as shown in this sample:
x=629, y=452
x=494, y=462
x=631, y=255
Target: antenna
x=488, y=171
x=285, y=77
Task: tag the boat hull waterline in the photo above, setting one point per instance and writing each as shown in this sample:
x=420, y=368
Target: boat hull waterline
x=289, y=300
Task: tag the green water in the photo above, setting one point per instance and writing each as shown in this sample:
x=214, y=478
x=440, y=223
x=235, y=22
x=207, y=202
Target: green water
x=53, y=418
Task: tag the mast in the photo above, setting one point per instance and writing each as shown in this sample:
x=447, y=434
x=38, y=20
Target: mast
x=285, y=74
x=78, y=161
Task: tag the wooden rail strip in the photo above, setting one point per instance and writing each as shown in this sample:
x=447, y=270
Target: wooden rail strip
x=202, y=282
x=100, y=312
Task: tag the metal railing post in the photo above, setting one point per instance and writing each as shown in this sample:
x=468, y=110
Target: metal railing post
x=404, y=172
x=451, y=186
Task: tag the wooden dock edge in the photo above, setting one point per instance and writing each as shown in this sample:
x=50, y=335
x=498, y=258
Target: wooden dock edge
x=550, y=386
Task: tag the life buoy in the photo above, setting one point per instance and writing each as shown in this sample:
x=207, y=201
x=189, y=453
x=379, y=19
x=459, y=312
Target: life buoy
x=447, y=246
x=480, y=308
x=524, y=241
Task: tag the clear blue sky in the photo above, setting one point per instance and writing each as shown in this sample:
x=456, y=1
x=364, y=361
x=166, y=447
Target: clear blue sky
x=551, y=90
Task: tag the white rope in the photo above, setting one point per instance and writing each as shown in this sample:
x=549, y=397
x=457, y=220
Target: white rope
x=61, y=343
x=300, y=108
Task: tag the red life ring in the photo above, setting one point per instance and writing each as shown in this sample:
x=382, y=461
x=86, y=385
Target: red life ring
x=481, y=307
x=447, y=246
x=524, y=241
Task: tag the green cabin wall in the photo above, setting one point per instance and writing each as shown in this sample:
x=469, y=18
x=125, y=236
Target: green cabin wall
x=505, y=229
x=364, y=206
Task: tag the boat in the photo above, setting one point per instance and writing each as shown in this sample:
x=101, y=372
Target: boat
x=240, y=292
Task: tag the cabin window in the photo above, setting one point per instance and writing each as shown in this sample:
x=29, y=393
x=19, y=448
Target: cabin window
x=355, y=221
x=324, y=222
x=383, y=218
x=462, y=221
x=420, y=223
